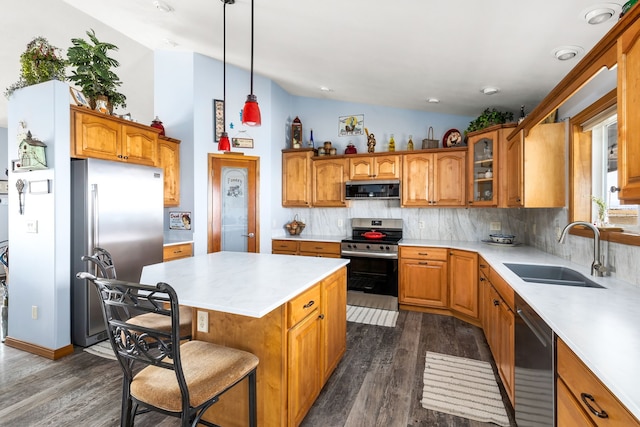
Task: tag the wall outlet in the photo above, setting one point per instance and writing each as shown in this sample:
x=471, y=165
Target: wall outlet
x=32, y=226
x=340, y=223
x=203, y=321
x=495, y=226
x=421, y=225
x=34, y=312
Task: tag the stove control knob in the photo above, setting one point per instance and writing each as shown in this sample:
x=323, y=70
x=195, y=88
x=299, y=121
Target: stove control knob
x=368, y=247
x=388, y=248
x=382, y=248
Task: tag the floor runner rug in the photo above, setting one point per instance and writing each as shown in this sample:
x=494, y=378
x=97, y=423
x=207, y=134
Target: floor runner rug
x=363, y=299
x=463, y=387
x=371, y=316
x=102, y=349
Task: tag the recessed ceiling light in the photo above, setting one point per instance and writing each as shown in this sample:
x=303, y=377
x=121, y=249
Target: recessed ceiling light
x=564, y=53
x=433, y=101
x=162, y=6
x=170, y=42
x=599, y=15
x=489, y=90
x=325, y=89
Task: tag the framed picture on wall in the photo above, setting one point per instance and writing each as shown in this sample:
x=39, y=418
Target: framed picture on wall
x=351, y=125
x=218, y=118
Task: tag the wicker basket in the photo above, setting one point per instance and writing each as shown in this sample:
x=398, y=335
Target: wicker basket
x=295, y=227
x=429, y=142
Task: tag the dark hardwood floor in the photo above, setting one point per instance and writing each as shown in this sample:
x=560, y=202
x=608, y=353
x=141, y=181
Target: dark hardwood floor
x=377, y=383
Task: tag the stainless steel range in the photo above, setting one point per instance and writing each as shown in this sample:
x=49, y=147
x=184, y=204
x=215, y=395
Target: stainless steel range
x=373, y=251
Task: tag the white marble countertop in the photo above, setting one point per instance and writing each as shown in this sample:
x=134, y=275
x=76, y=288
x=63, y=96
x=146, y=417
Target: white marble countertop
x=243, y=283
x=602, y=326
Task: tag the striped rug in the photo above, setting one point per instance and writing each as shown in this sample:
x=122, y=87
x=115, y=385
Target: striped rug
x=371, y=316
x=102, y=349
x=463, y=387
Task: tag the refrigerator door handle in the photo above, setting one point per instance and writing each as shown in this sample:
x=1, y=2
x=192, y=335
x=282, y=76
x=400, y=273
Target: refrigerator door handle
x=93, y=215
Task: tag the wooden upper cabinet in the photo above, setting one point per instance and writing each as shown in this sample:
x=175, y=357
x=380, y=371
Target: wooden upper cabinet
x=535, y=167
x=329, y=181
x=628, y=113
x=374, y=167
x=169, y=161
x=296, y=178
x=99, y=136
x=436, y=179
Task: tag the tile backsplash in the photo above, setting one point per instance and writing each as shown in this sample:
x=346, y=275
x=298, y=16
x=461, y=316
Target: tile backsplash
x=533, y=227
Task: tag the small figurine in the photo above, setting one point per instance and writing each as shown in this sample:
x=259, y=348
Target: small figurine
x=371, y=141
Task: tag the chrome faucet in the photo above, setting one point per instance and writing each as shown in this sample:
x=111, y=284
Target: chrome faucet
x=597, y=267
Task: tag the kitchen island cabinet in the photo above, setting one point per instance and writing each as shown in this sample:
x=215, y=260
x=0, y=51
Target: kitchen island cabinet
x=288, y=311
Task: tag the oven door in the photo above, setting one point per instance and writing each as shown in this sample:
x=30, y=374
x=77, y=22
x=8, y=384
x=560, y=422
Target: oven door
x=372, y=275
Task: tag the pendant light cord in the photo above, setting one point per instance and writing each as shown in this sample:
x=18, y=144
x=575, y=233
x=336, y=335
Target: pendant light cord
x=251, y=47
x=224, y=66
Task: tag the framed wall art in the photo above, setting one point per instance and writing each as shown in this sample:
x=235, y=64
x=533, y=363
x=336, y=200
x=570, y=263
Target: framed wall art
x=242, y=142
x=218, y=119
x=351, y=125
x=78, y=98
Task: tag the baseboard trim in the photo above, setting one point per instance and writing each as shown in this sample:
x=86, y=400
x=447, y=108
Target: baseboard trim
x=39, y=350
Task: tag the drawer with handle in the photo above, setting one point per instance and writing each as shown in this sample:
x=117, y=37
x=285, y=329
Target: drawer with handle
x=299, y=307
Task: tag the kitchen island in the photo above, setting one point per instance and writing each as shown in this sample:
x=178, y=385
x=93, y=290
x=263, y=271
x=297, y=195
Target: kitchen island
x=290, y=311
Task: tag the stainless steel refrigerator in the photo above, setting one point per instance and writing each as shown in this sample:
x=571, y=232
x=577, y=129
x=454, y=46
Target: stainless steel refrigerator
x=118, y=207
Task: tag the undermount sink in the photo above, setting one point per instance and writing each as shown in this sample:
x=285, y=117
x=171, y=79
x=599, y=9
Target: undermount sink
x=552, y=275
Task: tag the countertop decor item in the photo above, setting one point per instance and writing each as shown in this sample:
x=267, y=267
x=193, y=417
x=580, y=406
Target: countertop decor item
x=351, y=149
x=296, y=132
x=452, y=138
x=430, y=141
x=295, y=227
x=157, y=123
x=410, y=143
x=93, y=70
x=40, y=62
x=502, y=238
x=371, y=141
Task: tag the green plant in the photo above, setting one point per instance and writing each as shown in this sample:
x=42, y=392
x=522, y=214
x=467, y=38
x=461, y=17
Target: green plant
x=40, y=62
x=93, y=71
x=489, y=117
x=602, y=208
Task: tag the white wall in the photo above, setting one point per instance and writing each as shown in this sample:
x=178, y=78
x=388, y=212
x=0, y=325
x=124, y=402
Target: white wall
x=4, y=164
x=39, y=264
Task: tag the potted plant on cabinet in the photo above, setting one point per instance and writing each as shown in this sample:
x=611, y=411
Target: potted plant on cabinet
x=40, y=62
x=489, y=118
x=93, y=71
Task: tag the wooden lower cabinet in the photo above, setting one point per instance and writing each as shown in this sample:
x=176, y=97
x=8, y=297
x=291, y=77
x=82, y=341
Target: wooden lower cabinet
x=423, y=277
x=499, y=329
x=463, y=283
x=177, y=251
x=299, y=344
x=581, y=396
x=305, y=248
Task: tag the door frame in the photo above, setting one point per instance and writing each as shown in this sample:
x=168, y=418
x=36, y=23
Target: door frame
x=213, y=219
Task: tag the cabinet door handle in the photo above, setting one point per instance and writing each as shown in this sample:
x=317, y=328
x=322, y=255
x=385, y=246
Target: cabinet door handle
x=423, y=253
x=423, y=263
x=600, y=414
x=483, y=266
x=496, y=302
x=482, y=279
x=309, y=304
x=321, y=317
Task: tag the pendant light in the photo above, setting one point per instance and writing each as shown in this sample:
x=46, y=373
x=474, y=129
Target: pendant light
x=251, y=110
x=223, y=143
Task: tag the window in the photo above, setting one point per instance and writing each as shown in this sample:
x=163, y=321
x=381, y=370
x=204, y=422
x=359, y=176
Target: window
x=593, y=170
x=604, y=139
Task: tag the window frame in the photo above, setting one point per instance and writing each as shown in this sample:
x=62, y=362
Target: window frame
x=580, y=173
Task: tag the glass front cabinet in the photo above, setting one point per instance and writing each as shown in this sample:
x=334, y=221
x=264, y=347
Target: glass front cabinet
x=485, y=166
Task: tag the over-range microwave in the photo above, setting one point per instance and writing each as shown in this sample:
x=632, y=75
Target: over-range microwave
x=359, y=190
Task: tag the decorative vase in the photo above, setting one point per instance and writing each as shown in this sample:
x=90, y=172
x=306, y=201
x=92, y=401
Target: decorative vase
x=351, y=149
x=156, y=123
x=102, y=104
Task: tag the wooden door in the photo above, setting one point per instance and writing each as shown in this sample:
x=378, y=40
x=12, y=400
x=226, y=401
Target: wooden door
x=628, y=113
x=233, y=203
x=328, y=182
x=515, y=171
x=296, y=178
x=423, y=283
x=463, y=286
x=417, y=186
x=449, y=179
x=482, y=156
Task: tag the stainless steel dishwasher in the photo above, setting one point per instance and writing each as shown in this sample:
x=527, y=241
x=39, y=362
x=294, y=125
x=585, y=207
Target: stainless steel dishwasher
x=534, y=370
